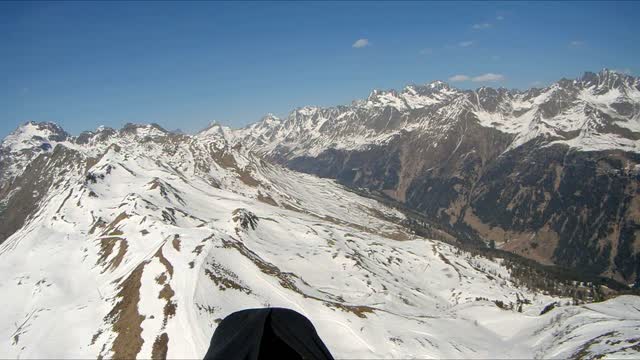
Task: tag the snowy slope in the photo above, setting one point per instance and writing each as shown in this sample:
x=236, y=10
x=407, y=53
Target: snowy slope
x=141, y=250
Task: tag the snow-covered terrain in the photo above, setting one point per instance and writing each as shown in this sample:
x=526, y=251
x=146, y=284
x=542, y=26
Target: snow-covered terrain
x=595, y=112
x=495, y=164
x=145, y=243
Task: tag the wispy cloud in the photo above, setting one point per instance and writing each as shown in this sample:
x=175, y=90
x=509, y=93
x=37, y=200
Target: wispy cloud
x=426, y=51
x=503, y=14
x=482, y=26
x=465, y=43
x=577, y=43
x=488, y=77
x=360, y=43
x=458, y=78
x=536, y=83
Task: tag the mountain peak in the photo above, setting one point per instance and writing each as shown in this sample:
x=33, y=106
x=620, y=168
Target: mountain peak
x=607, y=78
x=32, y=132
x=269, y=117
x=437, y=84
x=307, y=110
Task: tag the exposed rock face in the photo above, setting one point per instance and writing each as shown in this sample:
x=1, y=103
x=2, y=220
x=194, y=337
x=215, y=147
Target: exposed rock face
x=551, y=174
x=244, y=219
x=20, y=198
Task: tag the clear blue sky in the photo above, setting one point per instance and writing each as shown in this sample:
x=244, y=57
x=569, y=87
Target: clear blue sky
x=184, y=64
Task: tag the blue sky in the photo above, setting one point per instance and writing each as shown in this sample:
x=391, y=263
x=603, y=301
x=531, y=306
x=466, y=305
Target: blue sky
x=184, y=64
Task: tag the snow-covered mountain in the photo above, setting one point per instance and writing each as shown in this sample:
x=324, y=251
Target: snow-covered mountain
x=551, y=174
x=596, y=112
x=136, y=242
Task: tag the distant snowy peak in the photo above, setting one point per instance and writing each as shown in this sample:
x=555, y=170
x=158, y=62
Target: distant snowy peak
x=25, y=143
x=411, y=97
x=609, y=79
x=216, y=134
x=594, y=112
x=32, y=139
x=270, y=119
x=33, y=134
x=102, y=133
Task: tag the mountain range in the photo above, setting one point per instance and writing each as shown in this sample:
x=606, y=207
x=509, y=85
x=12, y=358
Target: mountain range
x=408, y=237
x=547, y=173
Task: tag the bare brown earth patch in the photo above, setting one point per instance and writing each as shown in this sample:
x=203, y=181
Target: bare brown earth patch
x=126, y=319
x=161, y=279
x=227, y=161
x=160, y=347
x=164, y=261
x=397, y=235
x=165, y=188
x=106, y=249
x=176, y=242
x=247, y=178
x=111, y=229
x=359, y=311
x=198, y=249
x=155, y=183
x=167, y=292
x=99, y=223
x=538, y=245
x=266, y=199
x=170, y=307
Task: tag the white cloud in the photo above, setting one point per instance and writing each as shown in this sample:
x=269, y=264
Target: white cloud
x=481, y=26
x=360, y=43
x=577, y=43
x=457, y=78
x=426, y=51
x=465, y=43
x=488, y=77
x=536, y=83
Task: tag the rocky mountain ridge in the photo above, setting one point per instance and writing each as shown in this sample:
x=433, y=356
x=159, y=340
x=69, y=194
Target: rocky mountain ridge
x=548, y=173
x=135, y=243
